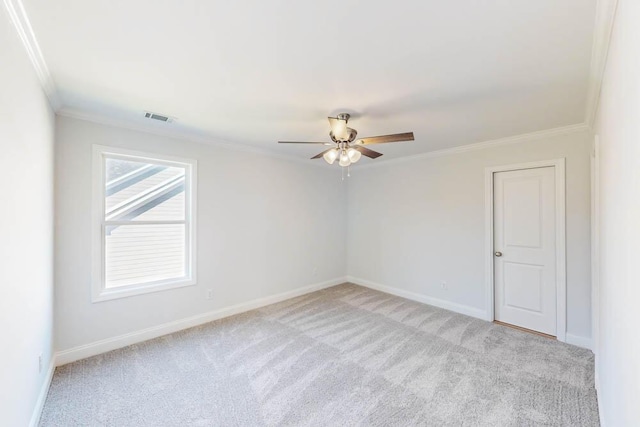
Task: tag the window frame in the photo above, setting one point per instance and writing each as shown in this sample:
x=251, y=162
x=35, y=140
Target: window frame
x=99, y=291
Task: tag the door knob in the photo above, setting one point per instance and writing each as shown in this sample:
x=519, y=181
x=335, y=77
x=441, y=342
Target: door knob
x=498, y=254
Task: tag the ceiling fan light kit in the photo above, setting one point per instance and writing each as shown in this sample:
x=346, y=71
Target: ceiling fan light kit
x=347, y=156
x=348, y=150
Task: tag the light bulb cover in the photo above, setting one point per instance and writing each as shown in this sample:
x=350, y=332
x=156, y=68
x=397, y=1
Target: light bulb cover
x=330, y=156
x=344, y=159
x=340, y=130
x=354, y=155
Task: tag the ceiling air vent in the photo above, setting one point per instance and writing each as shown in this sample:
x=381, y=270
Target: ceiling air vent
x=159, y=117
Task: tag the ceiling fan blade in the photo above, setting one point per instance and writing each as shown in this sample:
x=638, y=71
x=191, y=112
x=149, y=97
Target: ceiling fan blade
x=339, y=128
x=397, y=137
x=304, y=142
x=319, y=155
x=369, y=153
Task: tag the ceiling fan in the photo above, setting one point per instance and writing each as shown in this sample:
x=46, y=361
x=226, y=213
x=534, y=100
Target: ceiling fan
x=347, y=148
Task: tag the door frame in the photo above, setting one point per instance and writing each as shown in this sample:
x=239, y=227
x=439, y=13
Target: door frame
x=561, y=258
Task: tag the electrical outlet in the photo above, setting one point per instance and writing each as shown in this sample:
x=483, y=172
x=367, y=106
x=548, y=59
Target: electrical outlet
x=444, y=285
x=209, y=294
x=40, y=364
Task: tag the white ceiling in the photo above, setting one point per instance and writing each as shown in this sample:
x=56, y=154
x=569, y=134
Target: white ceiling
x=254, y=72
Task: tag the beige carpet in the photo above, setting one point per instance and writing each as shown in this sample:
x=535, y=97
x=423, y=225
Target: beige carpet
x=338, y=357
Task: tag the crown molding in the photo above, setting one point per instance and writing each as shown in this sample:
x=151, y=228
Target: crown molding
x=525, y=137
x=179, y=134
x=21, y=23
x=183, y=135
x=604, y=19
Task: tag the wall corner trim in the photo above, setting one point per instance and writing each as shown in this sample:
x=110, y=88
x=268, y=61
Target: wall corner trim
x=98, y=347
x=42, y=396
x=436, y=302
x=598, y=397
x=20, y=21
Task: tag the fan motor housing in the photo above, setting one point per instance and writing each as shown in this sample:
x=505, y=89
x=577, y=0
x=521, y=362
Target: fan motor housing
x=352, y=136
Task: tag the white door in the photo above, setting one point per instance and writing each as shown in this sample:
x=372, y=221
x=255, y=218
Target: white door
x=525, y=248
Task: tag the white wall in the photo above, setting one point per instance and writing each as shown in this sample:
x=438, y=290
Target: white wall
x=26, y=231
x=416, y=223
x=618, y=126
x=264, y=224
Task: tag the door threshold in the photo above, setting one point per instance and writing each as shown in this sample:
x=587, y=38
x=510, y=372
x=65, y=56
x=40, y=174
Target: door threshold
x=519, y=328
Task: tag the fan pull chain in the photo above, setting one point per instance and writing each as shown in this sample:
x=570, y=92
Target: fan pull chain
x=349, y=171
x=342, y=170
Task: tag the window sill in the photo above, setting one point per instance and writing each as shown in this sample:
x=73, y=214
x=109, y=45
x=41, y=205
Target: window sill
x=132, y=290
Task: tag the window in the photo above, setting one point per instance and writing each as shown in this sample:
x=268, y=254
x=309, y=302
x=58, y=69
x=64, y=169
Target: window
x=144, y=223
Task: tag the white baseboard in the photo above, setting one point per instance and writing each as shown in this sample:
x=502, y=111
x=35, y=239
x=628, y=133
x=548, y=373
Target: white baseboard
x=447, y=305
x=98, y=347
x=42, y=396
x=584, y=342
